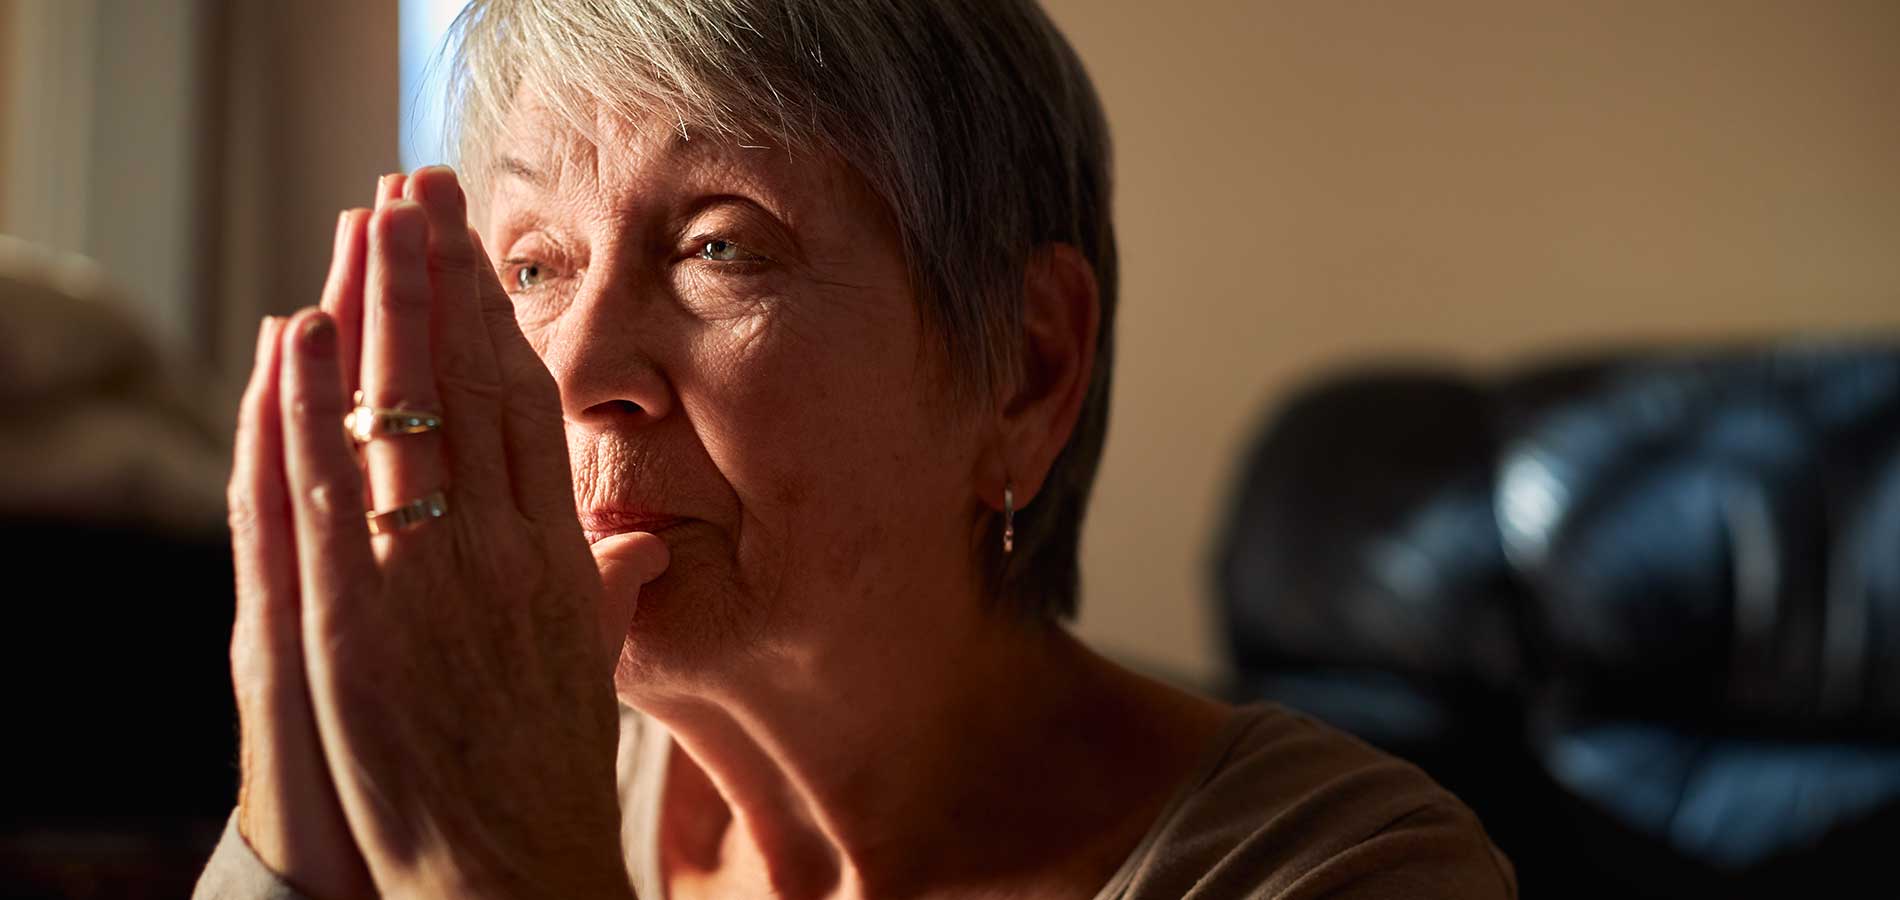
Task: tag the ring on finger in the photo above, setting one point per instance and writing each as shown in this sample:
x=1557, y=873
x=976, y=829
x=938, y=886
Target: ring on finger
x=408, y=515
x=367, y=423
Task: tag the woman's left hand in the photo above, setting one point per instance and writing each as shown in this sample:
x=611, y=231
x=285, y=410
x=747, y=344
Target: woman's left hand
x=460, y=669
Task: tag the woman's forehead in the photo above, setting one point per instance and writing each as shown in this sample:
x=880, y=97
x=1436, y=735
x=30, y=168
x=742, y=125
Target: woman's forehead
x=617, y=154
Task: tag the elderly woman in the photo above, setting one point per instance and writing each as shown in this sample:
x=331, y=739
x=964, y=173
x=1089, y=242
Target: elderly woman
x=765, y=394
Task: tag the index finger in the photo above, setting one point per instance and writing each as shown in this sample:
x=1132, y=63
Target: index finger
x=468, y=382
x=343, y=292
x=465, y=355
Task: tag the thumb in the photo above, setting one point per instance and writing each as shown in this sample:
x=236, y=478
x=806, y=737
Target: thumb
x=626, y=562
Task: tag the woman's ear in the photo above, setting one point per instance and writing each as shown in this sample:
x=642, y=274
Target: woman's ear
x=1061, y=316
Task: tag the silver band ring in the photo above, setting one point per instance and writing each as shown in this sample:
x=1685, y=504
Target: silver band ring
x=408, y=515
x=367, y=423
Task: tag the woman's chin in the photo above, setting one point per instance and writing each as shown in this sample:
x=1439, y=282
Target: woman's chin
x=681, y=634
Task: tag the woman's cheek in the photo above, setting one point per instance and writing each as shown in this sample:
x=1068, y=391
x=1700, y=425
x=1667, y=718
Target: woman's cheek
x=726, y=296
x=537, y=315
x=747, y=396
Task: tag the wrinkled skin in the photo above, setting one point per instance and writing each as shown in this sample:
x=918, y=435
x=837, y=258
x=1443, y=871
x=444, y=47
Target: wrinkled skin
x=721, y=345
x=398, y=692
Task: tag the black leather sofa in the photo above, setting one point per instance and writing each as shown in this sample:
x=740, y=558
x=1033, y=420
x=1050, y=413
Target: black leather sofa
x=1641, y=610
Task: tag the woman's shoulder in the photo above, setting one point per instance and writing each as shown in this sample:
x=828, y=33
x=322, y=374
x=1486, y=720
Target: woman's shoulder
x=1284, y=806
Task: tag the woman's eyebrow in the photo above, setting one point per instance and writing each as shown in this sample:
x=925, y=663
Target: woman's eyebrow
x=509, y=165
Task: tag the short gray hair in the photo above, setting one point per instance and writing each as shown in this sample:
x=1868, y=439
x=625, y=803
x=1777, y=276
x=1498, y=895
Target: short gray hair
x=973, y=119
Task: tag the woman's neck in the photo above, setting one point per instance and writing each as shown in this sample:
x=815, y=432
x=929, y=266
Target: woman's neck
x=978, y=756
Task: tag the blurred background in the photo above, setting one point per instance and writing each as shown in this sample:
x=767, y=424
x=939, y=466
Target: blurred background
x=1513, y=383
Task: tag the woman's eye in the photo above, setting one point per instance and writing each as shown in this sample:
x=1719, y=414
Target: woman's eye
x=528, y=275
x=720, y=250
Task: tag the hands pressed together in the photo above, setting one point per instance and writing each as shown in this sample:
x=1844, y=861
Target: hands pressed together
x=428, y=710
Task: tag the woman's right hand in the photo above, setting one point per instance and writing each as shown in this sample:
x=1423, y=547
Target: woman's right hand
x=288, y=811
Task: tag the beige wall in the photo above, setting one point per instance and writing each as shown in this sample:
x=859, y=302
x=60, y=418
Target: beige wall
x=1307, y=183
x=8, y=13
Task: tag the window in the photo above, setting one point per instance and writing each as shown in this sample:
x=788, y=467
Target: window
x=424, y=65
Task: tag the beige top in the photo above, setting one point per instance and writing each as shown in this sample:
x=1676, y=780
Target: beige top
x=1279, y=806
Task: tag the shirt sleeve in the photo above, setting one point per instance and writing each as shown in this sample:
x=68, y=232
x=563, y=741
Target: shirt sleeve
x=1437, y=851
x=235, y=872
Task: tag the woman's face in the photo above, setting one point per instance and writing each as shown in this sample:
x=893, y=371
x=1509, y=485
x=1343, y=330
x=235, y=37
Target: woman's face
x=739, y=354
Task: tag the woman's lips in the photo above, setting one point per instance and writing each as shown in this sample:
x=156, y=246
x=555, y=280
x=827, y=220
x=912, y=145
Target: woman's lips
x=599, y=525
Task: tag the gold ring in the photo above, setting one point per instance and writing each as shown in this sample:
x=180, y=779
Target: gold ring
x=367, y=423
x=408, y=515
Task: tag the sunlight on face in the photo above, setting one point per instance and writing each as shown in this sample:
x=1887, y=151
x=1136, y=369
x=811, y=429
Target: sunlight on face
x=743, y=370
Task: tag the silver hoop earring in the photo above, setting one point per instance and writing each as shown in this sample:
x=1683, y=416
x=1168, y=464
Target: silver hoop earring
x=1009, y=518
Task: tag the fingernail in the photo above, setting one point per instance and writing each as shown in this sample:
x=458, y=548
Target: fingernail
x=342, y=229
x=445, y=185
x=266, y=331
x=388, y=187
x=407, y=227
x=318, y=335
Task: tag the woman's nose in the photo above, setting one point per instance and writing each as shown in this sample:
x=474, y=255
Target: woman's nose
x=604, y=354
